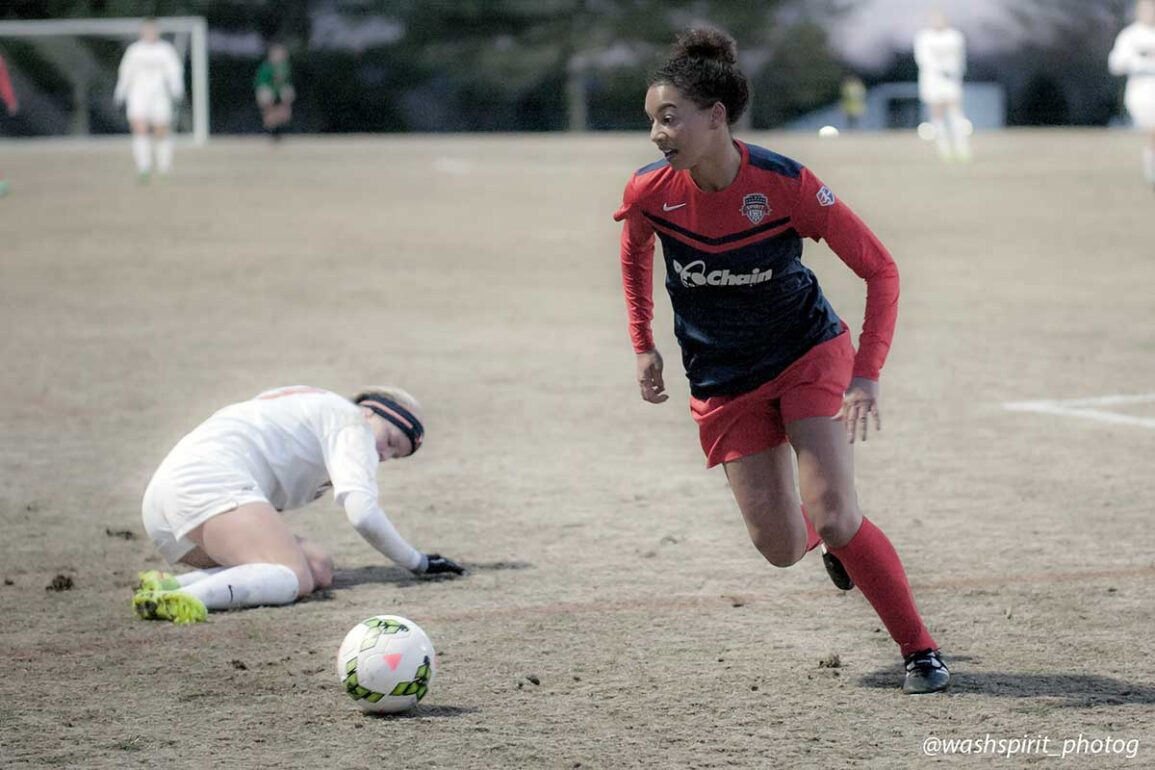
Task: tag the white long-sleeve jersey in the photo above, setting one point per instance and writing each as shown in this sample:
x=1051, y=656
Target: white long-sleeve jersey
x=150, y=72
x=1134, y=56
x=941, y=53
x=942, y=61
x=1134, y=52
x=296, y=443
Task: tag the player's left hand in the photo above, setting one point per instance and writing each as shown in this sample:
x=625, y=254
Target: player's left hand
x=649, y=368
x=858, y=404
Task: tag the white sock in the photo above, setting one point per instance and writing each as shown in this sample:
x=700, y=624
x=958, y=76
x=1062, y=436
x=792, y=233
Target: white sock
x=942, y=139
x=142, y=152
x=1149, y=164
x=958, y=133
x=249, y=585
x=188, y=578
x=164, y=155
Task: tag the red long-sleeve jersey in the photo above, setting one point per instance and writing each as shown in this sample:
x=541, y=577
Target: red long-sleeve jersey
x=745, y=307
x=7, y=95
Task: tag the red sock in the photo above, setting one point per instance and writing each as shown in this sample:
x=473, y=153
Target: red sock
x=812, y=538
x=874, y=566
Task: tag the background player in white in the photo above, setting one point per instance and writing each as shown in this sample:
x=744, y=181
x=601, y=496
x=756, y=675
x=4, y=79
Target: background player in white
x=215, y=502
x=940, y=52
x=151, y=79
x=1134, y=56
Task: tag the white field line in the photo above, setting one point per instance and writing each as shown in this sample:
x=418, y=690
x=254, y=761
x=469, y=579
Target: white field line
x=1084, y=408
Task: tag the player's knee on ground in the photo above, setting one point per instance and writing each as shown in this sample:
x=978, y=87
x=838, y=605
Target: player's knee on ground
x=305, y=582
x=321, y=566
x=319, y=561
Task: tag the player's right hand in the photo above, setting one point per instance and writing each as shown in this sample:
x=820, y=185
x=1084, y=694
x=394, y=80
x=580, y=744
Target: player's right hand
x=859, y=403
x=650, y=377
x=439, y=565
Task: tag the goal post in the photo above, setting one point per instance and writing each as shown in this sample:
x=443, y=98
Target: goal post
x=57, y=42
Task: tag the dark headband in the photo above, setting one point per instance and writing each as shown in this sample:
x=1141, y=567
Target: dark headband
x=390, y=411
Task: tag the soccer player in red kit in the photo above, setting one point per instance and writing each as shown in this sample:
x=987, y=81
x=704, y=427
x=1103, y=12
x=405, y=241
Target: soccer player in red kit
x=8, y=96
x=771, y=365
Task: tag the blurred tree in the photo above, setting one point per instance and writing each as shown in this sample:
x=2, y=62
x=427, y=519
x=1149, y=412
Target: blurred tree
x=1043, y=103
x=64, y=9
x=801, y=75
x=1058, y=73
x=577, y=64
x=485, y=64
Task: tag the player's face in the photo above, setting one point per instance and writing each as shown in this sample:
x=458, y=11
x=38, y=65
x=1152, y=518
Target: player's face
x=148, y=33
x=391, y=443
x=678, y=126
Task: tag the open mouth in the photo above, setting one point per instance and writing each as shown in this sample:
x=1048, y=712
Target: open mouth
x=669, y=154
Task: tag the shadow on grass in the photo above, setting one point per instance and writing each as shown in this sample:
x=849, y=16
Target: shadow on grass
x=403, y=578
x=426, y=712
x=1074, y=690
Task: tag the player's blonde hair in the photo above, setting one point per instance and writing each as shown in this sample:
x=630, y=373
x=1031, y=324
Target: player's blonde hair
x=393, y=393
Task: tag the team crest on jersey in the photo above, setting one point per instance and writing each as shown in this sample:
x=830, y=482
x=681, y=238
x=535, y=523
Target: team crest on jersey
x=755, y=206
x=825, y=197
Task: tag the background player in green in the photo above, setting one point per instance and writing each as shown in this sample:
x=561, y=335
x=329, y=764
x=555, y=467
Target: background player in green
x=274, y=87
x=852, y=99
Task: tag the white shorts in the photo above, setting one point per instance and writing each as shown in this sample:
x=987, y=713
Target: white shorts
x=182, y=496
x=933, y=89
x=154, y=110
x=1140, y=102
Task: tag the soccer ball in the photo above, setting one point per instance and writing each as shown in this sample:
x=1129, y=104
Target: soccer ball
x=386, y=664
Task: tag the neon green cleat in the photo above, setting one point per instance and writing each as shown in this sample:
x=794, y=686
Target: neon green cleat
x=177, y=606
x=155, y=580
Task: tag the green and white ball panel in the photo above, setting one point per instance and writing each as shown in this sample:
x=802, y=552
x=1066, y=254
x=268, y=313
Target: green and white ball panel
x=386, y=663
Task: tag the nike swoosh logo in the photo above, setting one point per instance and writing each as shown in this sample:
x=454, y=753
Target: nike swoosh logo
x=668, y=207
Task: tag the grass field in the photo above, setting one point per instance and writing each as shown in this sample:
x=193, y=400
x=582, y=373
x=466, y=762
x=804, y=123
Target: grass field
x=481, y=273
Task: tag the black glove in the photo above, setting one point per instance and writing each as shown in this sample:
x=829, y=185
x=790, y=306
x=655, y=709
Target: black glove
x=439, y=565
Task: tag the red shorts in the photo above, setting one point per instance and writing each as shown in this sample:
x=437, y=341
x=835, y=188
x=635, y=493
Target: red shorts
x=731, y=427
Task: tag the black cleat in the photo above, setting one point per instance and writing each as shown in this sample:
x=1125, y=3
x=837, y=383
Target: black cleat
x=925, y=673
x=838, y=574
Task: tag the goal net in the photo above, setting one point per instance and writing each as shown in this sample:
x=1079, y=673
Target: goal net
x=64, y=74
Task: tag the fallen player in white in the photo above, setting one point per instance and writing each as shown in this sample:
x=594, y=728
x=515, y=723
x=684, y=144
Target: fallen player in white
x=215, y=502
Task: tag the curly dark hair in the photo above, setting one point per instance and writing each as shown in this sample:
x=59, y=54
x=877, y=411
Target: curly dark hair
x=703, y=66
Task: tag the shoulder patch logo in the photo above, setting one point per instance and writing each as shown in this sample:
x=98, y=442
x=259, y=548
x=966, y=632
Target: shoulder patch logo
x=825, y=197
x=755, y=206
